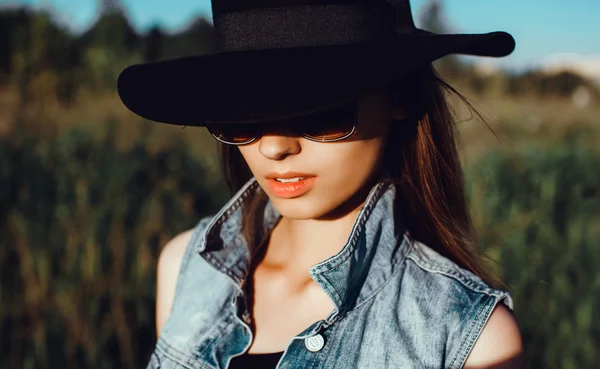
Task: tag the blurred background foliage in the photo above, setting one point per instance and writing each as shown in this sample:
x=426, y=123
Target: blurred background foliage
x=89, y=193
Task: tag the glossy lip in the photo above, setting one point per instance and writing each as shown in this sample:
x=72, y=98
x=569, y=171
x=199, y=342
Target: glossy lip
x=290, y=174
x=292, y=189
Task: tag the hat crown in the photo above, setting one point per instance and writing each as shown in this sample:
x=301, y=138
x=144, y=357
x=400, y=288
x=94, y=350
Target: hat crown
x=242, y=25
x=229, y=6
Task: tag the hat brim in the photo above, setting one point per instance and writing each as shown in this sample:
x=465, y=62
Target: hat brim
x=262, y=85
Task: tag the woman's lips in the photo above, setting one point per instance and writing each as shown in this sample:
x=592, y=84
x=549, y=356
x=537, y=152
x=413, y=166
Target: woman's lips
x=291, y=189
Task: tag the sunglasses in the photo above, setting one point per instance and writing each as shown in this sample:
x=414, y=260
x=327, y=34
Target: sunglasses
x=327, y=126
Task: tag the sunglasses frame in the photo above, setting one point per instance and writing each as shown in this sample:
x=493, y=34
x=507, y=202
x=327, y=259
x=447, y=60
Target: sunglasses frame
x=296, y=131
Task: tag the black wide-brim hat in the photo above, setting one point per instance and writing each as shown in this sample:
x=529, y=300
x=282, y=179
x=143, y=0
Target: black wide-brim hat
x=279, y=59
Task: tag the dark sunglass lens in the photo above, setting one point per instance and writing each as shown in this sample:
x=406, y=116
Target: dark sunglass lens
x=234, y=133
x=331, y=124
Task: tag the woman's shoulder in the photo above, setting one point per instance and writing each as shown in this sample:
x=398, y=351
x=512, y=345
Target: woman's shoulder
x=172, y=262
x=466, y=309
x=172, y=253
x=175, y=251
x=178, y=250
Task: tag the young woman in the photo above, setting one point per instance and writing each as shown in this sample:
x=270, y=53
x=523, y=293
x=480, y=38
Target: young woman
x=347, y=243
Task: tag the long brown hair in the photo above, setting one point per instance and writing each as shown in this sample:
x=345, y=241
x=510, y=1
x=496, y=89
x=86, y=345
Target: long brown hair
x=421, y=157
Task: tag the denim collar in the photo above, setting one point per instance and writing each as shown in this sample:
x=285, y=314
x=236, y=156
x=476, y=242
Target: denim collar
x=375, y=248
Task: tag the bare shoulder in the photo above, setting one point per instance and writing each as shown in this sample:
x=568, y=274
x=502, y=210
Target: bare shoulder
x=172, y=253
x=169, y=263
x=499, y=346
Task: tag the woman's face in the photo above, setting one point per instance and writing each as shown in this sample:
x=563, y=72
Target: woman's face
x=342, y=170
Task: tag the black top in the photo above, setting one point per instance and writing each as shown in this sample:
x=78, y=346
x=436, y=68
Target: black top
x=255, y=361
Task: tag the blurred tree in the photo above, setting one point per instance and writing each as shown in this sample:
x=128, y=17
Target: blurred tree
x=562, y=84
x=433, y=18
x=539, y=83
x=112, y=30
x=111, y=6
x=154, y=44
x=32, y=43
x=108, y=46
x=13, y=23
x=42, y=57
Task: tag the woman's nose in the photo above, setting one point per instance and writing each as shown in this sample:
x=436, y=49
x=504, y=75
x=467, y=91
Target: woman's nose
x=278, y=145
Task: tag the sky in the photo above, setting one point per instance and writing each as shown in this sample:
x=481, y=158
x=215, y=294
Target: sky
x=548, y=33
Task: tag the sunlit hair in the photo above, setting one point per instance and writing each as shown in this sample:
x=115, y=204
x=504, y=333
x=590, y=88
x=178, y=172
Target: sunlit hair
x=421, y=157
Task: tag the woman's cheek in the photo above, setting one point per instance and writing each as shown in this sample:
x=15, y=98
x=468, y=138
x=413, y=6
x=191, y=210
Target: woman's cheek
x=348, y=171
x=357, y=165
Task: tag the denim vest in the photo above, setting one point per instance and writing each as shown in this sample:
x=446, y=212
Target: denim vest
x=398, y=303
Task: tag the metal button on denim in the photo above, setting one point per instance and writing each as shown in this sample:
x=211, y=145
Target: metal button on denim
x=314, y=343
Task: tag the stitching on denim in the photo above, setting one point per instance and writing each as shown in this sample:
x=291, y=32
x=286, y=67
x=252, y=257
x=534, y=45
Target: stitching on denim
x=313, y=358
x=221, y=265
x=405, y=244
x=227, y=319
x=230, y=207
x=220, y=219
x=328, y=344
x=398, y=269
x=325, y=354
x=465, y=348
x=372, y=296
x=243, y=196
x=169, y=351
x=337, y=260
x=333, y=290
x=200, y=229
x=155, y=360
x=456, y=274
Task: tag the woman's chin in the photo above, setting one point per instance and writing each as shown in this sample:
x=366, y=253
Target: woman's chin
x=301, y=208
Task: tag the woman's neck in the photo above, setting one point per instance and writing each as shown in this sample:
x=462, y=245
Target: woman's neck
x=295, y=245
